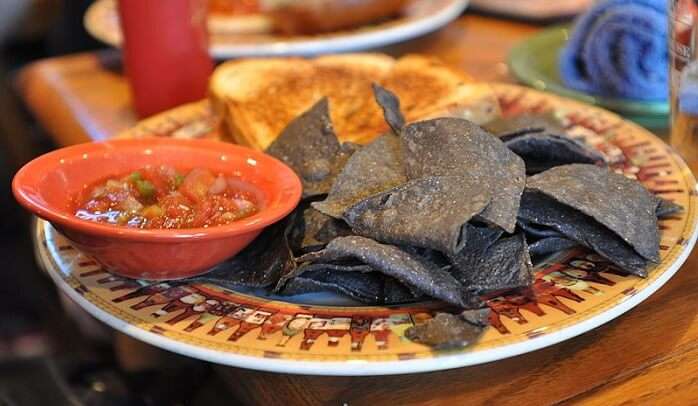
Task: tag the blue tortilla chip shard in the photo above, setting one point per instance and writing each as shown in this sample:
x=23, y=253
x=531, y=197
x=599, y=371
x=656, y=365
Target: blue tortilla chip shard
x=260, y=264
x=313, y=230
x=665, y=208
x=375, y=168
x=432, y=256
x=537, y=208
x=395, y=292
x=542, y=151
x=488, y=263
x=457, y=147
x=450, y=331
x=344, y=266
x=428, y=212
x=621, y=204
x=550, y=245
x=355, y=281
x=306, y=226
x=391, y=108
x=413, y=271
x=363, y=287
x=523, y=124
x=536, y=231
x=310, y=147
x=331, y=229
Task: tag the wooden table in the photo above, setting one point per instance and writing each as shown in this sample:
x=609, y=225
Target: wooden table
x=648, y=356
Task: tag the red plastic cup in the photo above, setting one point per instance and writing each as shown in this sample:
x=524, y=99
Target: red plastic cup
x=165, y=51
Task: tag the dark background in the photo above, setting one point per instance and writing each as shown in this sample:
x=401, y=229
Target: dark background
x=44, y=358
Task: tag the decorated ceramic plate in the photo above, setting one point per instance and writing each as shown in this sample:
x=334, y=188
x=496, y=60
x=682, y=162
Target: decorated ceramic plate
x=420, y=17
x=534, y=62
x=574, y=291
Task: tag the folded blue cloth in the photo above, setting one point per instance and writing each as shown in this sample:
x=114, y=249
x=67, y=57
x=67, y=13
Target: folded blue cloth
x=619, y=49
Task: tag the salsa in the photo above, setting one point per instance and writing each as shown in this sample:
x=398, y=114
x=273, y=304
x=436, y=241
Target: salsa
x=162, y=197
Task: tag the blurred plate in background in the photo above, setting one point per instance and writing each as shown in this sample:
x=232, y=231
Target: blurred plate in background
x=532, y=9
x=420, y=17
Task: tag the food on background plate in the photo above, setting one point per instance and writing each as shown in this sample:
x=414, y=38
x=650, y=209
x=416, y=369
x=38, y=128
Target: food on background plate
x=441, y=208
x=233, y=7
x=160, y=197
x=257, y=98
x=297, y=17
x=237, y=17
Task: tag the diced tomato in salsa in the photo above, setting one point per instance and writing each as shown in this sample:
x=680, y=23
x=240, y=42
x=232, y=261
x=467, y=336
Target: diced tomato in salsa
x=161, y=197
x=196, y=184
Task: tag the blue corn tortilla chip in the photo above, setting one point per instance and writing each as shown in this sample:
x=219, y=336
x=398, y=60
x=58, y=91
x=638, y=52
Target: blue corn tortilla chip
x=305, y=228
x=260, y=264
x=310, y=147
x=450, y=331
x=666, y=208
x=355, y=281
x=487, y=264
x=413, y=271
x=432, y=256
x=480, y=237
x=313, y=230
x=428, y=212
x=542, y=151
x=391, y=108
x=536, y=231
x=550, y=245
x=395, y=292
x=350, y=266
x=507, y=128
x=348, y=148
x=457, y=147
x=375, y=168
x=331, y=229
x=621, y=204
x=537, y=208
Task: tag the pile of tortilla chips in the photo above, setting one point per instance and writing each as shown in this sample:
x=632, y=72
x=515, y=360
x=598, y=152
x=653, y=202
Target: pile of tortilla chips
x=442, y=209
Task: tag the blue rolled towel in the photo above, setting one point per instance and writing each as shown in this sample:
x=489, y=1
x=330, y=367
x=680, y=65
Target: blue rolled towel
x=619, y=49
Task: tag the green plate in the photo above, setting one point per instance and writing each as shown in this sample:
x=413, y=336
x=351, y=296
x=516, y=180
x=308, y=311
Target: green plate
x=534, y=62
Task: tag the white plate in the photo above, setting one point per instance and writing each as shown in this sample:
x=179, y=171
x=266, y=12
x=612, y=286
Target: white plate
x=420, y=17
x=533, y=9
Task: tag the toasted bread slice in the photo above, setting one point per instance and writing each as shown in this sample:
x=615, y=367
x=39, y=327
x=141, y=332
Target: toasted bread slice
x=257, y=98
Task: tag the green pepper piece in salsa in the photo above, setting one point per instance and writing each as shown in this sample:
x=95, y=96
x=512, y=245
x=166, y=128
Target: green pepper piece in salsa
x=145, y=188
x=135, y=176
x=178, y=179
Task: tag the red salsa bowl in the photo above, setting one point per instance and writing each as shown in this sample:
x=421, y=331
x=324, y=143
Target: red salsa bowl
x=51, y=187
